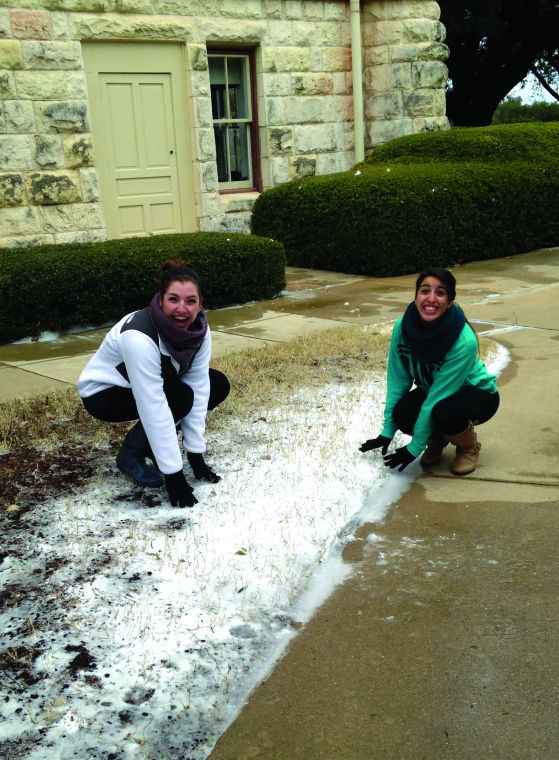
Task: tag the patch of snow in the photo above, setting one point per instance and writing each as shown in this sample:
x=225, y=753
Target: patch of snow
x=139, y=631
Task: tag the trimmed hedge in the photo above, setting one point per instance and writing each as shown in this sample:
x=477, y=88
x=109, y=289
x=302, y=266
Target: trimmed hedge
x=502, y=143
x=56, y=287
x=408, y=211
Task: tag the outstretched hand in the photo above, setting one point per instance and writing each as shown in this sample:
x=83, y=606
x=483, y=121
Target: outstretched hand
x=200, y=468
x=180, y=493
x=400, y=459
x=376, y=443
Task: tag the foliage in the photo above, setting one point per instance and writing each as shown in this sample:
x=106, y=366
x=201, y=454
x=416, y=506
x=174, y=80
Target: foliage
x=534, y=142
x=493, y=44
x=546, y=71
x=514, y=111
x=56, y=287
x=430, y=199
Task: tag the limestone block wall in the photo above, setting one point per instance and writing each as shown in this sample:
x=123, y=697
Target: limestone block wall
x=49, y=185
x=404, y=70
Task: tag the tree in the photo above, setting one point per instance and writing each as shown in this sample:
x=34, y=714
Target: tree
x=493, y=45
x=514, y=111
x=546, y=71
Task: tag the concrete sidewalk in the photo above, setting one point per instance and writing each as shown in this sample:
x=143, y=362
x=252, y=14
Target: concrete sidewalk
x=442, y=644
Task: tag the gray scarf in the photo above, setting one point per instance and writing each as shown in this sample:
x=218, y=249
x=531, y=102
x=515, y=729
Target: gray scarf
x=181, y=344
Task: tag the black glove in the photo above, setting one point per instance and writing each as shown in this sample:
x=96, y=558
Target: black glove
x=400, y=458
x=200, y=468
x=376, y=443
x=180, y=493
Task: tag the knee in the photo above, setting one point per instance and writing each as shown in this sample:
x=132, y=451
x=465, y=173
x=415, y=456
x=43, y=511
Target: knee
x=219, y=388
x=402, y=421
x=180, y=398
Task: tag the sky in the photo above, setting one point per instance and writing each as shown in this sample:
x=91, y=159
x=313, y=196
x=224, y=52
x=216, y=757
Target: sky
x=530, y=91
x=136, y=630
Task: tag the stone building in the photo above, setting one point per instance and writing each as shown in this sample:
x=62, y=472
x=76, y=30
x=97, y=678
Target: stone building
x=132, y=117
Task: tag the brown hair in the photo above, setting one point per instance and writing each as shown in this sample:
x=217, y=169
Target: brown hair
x=444, y=276
x=185, y=272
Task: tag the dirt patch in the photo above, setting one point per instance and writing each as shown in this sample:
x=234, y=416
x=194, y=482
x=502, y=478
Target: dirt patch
x=29, y=477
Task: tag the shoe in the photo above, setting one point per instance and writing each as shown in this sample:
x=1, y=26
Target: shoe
x=200, y=468
x=467, y=451
x=131, y=461
x=434, y=451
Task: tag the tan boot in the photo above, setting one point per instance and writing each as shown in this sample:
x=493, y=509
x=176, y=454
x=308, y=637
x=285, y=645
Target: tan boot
x=467, y=451
x=434, y=451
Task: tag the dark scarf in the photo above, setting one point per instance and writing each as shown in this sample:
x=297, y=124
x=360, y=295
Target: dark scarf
x=430, y=345
x=181, y=344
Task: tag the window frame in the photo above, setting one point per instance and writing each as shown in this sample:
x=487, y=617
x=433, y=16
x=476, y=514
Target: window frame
x=255, y=183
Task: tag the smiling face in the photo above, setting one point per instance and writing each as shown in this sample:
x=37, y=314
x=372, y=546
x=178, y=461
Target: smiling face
x=432, y=300
x=181, y=303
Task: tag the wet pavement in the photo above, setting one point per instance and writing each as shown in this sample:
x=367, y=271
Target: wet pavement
x=442, y=643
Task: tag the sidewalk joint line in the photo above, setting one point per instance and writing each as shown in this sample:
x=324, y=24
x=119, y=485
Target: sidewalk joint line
x=479, y=479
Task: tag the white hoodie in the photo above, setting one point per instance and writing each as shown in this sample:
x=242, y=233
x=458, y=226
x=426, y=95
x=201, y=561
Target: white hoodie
x=142, y=357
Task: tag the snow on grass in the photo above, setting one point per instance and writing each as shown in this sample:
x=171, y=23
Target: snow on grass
x=130, y=629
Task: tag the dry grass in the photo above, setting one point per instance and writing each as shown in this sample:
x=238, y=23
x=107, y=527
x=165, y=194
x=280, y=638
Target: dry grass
x=44, y=420
x=49, y=443
x=260, y=377
x=266, y=376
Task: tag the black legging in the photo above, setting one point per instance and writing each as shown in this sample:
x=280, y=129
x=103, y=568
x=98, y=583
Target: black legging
x=450, y=416
x=116, y=404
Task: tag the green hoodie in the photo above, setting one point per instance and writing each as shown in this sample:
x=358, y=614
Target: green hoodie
x=461, y=368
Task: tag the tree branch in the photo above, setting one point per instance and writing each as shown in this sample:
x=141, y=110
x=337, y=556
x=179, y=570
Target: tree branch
x=543, y=83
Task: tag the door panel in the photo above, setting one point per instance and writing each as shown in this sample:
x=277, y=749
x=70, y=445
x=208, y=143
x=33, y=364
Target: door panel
x=117, y=100
x=156, y=132
x=132, y=221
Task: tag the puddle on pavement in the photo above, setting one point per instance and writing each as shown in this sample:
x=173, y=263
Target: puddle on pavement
x=63, y=345
x=235, y=316
x=299, y=278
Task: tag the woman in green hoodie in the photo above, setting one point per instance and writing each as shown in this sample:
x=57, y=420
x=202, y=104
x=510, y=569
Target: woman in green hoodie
x=434, y=348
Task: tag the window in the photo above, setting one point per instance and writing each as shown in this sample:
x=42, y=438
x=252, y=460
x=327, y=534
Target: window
x=235, y=128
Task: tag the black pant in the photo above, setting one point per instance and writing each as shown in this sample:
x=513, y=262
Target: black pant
x=451, y=415
x=118, y=404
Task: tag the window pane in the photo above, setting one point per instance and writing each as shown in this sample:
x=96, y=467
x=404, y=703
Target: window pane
x=231, y=102
x=220, y=132
x=239, y=152
x=217, y=84
x=237, y=81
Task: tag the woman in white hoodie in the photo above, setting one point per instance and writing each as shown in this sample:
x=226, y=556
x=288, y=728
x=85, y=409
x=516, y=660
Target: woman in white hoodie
x=153, y=366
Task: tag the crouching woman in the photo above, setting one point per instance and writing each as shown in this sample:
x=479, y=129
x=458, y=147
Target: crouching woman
x=434, y=347
x=153, y=366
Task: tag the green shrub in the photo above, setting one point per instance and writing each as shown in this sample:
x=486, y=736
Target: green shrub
x=501, y=143
x=415, y=208
x=514, y=111
x=56, y=287
x=393, y=220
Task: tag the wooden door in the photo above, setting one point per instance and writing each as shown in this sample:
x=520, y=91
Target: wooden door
x=138, y=150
